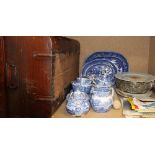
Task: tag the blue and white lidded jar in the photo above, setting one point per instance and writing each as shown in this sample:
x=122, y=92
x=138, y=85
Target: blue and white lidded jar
x=78, y=103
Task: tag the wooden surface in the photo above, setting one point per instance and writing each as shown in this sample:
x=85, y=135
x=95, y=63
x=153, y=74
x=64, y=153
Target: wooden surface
x=62, y=113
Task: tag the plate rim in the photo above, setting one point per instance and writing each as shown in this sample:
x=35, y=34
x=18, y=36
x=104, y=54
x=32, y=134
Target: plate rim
x=102, y=59
x=112, y=54
x=118, y=76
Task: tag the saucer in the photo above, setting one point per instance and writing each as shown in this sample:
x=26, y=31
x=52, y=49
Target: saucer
x=124, y=94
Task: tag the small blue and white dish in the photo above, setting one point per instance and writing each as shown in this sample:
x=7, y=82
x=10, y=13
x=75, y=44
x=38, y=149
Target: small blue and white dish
x=82, y=84
x=77, y=103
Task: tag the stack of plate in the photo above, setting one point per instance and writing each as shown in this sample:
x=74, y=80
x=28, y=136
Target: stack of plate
x=104, y=65
x=134, y=84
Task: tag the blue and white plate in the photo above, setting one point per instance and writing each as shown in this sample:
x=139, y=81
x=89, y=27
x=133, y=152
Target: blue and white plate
x=115, y=61
x=116, y=58
x=99, y=68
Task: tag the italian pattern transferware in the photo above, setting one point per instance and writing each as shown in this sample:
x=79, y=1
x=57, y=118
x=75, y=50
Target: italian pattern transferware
x=77, y=103
x=94, y=86
x=100, y=69
x=82, y=84
x=116, y=58
x=101, y=98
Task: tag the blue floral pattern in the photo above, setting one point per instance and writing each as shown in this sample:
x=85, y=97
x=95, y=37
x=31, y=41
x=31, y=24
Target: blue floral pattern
x=98, y=68
x=116, y=58
x=77, y=103
x=101, y=99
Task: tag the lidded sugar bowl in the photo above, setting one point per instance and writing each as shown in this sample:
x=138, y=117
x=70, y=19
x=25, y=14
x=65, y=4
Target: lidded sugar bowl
x=77, y=103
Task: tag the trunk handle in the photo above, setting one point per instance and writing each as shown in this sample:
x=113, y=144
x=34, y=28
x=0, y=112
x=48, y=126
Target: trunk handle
x=11, y=76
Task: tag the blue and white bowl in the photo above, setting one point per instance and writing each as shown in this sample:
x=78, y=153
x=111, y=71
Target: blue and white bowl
x=77, y=103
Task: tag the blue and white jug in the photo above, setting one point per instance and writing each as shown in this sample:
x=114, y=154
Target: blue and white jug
x=101, y=98
x=82, y=84
x=78, y=103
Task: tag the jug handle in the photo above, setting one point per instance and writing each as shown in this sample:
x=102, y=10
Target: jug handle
x=112, y=92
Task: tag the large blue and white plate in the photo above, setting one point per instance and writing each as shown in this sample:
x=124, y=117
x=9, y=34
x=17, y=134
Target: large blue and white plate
x=99, y=68
x=115, y=61
x=116, y=58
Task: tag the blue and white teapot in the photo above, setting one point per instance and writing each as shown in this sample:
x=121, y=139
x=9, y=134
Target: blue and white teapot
x=78, y=103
